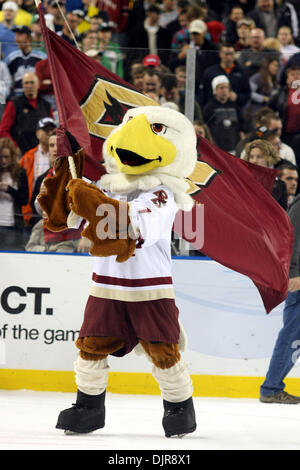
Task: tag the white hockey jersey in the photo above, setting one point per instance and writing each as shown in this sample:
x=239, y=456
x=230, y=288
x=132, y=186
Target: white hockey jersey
x=146, y=275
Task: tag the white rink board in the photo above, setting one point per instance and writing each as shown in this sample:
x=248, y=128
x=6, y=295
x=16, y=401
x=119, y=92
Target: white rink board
x=43, y=298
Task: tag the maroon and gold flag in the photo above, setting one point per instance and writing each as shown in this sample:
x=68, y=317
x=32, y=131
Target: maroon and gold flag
x=243, y=226
x=245, y=229
x=91, y=100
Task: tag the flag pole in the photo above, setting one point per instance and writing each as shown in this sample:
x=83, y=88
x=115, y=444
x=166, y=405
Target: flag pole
x=57, y=92
x=72, y=219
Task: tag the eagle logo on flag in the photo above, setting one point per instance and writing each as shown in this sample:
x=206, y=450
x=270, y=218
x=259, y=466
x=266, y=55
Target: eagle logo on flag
x=106, y=103
x=201, y=177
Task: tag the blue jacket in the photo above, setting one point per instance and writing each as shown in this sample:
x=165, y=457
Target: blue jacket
x=7, y=39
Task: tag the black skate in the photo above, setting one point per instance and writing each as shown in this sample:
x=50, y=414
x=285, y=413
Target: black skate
x=179, y=418
x=86, y=415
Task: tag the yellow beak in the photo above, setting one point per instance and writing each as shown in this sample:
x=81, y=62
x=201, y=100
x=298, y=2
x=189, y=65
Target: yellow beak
x=138, y=149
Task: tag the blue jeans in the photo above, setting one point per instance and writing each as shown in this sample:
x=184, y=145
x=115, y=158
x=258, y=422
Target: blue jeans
x=285, y=350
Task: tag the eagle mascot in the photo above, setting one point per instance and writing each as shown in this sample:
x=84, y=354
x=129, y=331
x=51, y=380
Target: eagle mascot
x=129, y=215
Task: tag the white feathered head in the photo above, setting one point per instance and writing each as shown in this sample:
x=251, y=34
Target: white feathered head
x=153, y=145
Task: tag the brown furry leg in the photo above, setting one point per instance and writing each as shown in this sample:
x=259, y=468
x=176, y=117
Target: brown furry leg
x=94, y=348
x=163, y=355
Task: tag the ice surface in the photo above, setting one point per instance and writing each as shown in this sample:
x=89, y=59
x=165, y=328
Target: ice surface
x=28, y=418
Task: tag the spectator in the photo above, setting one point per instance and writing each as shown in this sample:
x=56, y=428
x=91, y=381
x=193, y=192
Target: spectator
x=110, y=50
x=236, y=15
x=23, y=60
x=239, y=83
x=266, y=120
x=223, y=116
x=88, y=40
x=95, y=22
x=83, y=25
x=89, y=10
x=5, y=85
x=264, y=85
x=289, y=174
x=169, y=12
x=97, y=55
x=294, y=60
x=136, y=14
x=181, y=18
x=70, y=34
x=137, y=76
x=243, y=28
x=150, y=38
x=265, y=16
x=251, y=58
x=180, y=73
x=36, y=160
x=261, y=152
x=151, y=82
x=208, y=13
x=285, y=151
x=116, y=11
x=22, y=18
x=182, y=37
x=271, y=120
x=36, y=35
x=7, y=23
x=290, y=16
x=205, y=53
x=13, y=193
x=22, y=114
x=283, y=358
x=170, y=93
x=41, y=239
x=56, y=18
x=226, y=7
x=286, y=40
x=202, y=131
x=287, y=104
x=29, y=6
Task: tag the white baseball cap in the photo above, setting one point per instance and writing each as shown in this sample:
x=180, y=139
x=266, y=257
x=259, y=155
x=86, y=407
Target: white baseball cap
x=197, y=26
x=93, y=53
x=218, y=80
x=10, y=6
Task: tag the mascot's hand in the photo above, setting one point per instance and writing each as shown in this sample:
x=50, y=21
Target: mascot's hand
x=109, y=222
x=54, y=201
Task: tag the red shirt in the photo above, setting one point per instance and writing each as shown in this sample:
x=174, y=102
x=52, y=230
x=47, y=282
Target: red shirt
x=42, y=70
x=8, y=118
x=293, y=112
x=117, y=11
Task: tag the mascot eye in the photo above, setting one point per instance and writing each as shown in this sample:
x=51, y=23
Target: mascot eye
x=158, y=128
x=129, y=118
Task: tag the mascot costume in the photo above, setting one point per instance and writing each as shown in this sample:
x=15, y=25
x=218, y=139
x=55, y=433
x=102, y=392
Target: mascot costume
x=129, y=215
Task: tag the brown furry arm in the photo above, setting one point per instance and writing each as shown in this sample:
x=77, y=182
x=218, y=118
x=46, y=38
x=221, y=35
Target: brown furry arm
x=55, y=202
x=109, y=222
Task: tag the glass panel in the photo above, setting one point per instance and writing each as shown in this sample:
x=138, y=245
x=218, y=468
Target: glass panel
x=241, y=94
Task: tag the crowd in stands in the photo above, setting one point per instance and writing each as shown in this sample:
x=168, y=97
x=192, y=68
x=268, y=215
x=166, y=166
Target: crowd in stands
x=247, y=87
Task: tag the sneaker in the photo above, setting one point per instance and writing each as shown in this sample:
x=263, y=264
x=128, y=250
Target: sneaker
x=280, y=397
